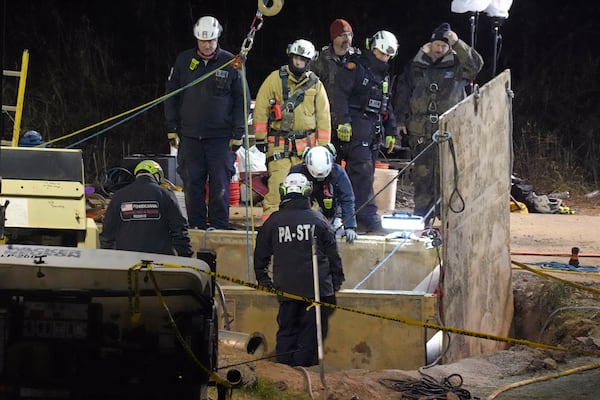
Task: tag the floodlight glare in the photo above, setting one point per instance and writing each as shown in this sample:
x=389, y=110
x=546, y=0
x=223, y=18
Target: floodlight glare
x=493, y=8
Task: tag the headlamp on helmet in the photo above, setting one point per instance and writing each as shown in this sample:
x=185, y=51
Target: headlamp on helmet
x=385, y=42
x=295, y=183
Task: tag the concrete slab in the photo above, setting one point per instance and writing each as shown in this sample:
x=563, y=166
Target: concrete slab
x=374, y=262
x=354, y=340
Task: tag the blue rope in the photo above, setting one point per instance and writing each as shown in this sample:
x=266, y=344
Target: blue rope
x=566, y=267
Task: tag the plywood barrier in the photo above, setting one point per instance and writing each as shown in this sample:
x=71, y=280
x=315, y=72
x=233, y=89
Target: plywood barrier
x=477, y=279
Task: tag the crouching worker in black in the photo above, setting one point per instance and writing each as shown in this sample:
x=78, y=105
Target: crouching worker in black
x=144, y=216
x=287, y=237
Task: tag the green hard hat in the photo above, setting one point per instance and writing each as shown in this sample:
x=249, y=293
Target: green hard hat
x=150, y=167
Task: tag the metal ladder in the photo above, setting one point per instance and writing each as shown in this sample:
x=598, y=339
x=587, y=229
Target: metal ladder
x=18, y=107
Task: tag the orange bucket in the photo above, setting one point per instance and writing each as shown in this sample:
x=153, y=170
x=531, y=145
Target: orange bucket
x=234, y=194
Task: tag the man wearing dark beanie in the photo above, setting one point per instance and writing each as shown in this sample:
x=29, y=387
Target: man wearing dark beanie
x=338, y=54
x=440, y=32
x=432, y=82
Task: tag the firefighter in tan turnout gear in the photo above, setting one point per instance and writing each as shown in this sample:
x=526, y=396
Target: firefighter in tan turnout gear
x=291, y=113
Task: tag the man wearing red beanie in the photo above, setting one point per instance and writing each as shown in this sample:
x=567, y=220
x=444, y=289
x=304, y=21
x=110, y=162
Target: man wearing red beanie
x=340, y=27
x=338, y=54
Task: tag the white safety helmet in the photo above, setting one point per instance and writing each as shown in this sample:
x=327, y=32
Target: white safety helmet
x=319, y=162
x=302, y=48
x=385, y=42
x=207, y=28
x=295, y=183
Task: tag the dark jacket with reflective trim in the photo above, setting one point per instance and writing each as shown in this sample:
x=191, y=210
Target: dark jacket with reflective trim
x=213, y=107
x=286, y=236
x=357, y=86
x=143, y=216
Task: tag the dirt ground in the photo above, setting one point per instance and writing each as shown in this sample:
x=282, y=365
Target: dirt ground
x=551, y=238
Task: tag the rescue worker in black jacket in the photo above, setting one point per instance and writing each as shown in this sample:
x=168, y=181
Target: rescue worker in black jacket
x=208, y=118
x=365, y=120
x=286, y=238
x=144, y=216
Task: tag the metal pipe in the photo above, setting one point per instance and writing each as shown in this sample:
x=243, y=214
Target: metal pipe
x=253, y=343
x=318, y=309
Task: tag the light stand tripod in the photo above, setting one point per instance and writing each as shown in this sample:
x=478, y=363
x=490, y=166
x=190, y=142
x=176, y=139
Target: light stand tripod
x=496, y=24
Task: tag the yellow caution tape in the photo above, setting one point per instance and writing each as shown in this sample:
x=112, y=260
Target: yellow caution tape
x=406, y=321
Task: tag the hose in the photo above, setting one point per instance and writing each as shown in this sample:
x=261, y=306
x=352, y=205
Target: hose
x=542, y=379
x=563, y=309
x=429, y=388
x=308, y=380
x=226, y=316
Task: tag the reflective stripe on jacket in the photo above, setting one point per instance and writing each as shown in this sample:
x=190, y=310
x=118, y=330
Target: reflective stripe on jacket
x=310, y=115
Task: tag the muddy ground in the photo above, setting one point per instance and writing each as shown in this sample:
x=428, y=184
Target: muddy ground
x=575, y=324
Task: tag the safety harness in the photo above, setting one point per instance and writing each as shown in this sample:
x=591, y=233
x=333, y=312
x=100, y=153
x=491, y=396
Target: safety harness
x=287, y=117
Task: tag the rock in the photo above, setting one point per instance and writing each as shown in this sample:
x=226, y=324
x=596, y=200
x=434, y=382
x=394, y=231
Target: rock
x=549, y=363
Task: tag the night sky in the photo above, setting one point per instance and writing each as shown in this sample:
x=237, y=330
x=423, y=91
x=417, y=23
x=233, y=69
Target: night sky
x=137, y=29
x=118, y=53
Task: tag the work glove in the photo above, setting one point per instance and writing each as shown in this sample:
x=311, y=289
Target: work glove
x=173, y=139
x=350, y=234
x=344, y=132
x=261, y=145
x=403, y=134
x=390, y=142
x=235, y=144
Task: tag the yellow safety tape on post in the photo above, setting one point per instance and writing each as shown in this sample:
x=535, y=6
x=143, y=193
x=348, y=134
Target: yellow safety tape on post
x=566, y=282
x=406, y=321
x=274, y=9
